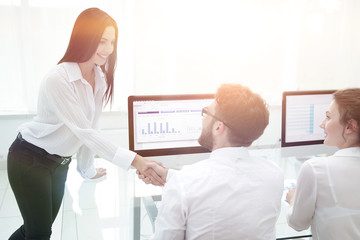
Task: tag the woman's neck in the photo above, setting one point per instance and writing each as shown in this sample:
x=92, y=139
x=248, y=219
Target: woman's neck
x=349, y=143
x=87, y=71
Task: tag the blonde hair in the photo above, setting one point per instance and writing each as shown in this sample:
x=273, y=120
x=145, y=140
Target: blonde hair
x=244, y=112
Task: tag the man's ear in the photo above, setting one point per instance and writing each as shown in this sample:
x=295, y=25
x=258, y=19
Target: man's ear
x=218, y=128
x=351, y=126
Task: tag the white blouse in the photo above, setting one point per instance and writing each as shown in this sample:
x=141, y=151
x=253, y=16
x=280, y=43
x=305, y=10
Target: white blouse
x=67, y=119
x=327, y=197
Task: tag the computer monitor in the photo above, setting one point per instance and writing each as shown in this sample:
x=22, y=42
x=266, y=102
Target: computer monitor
x=166, y=124
x=302, y=114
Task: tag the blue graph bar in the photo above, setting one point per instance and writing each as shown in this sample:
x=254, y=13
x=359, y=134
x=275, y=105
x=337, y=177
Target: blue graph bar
x=158, y=130
x=311, y=126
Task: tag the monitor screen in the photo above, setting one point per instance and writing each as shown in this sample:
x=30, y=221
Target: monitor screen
x=166, y=124
x=302, y=114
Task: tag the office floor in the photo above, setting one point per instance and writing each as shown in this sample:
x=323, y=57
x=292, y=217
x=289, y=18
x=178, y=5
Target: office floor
x=94, y=210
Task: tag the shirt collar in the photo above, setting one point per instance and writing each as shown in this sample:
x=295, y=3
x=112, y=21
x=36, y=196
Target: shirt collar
x=74, y=74
x=73, y=71
x=348, y=152
x=230, y=152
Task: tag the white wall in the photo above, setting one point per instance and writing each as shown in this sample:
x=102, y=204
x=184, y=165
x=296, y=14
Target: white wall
x=268, y=45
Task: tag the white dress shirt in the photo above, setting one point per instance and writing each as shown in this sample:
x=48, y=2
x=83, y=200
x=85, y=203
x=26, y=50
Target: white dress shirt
x=231, y=195
x=327, y=197
x=67, y=119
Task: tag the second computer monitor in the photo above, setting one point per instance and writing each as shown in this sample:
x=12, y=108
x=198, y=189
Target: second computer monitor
x=302, y=114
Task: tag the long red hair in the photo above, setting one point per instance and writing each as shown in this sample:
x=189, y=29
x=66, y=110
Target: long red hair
x=85, y=38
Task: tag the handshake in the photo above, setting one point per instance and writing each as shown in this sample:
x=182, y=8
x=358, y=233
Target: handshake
x=151, y=172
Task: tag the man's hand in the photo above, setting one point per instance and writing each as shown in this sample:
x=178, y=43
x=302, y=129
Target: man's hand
x=150, y=171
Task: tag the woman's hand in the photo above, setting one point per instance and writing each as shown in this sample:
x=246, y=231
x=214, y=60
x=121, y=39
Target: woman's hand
x=100, y=172
x=290, y=196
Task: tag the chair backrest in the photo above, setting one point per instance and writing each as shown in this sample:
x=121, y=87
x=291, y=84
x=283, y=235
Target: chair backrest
x=151, y=209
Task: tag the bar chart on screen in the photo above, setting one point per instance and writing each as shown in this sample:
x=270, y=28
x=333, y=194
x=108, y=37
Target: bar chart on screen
x=172, y=125
x=303, y=121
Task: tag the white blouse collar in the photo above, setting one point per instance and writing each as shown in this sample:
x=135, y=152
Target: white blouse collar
x=348, y=152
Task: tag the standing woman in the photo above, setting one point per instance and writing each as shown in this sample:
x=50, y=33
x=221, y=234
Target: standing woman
x=71, y=99
x=327, y=195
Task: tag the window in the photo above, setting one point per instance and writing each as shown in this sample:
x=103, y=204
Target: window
x=189, y=46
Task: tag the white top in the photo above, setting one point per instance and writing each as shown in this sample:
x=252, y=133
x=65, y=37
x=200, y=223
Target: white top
x=229, y=196
x=67, y=119
x=327, y=197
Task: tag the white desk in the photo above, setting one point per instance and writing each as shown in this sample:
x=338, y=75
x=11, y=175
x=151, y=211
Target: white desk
x=109, y=208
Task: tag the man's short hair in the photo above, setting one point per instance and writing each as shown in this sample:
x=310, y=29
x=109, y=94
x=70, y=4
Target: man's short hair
x=244, y=112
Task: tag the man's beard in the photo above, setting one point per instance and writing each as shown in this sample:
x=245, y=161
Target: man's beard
x=206, y=138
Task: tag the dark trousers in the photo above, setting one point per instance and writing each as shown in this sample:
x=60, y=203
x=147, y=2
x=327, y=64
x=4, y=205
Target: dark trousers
x=38, y=184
